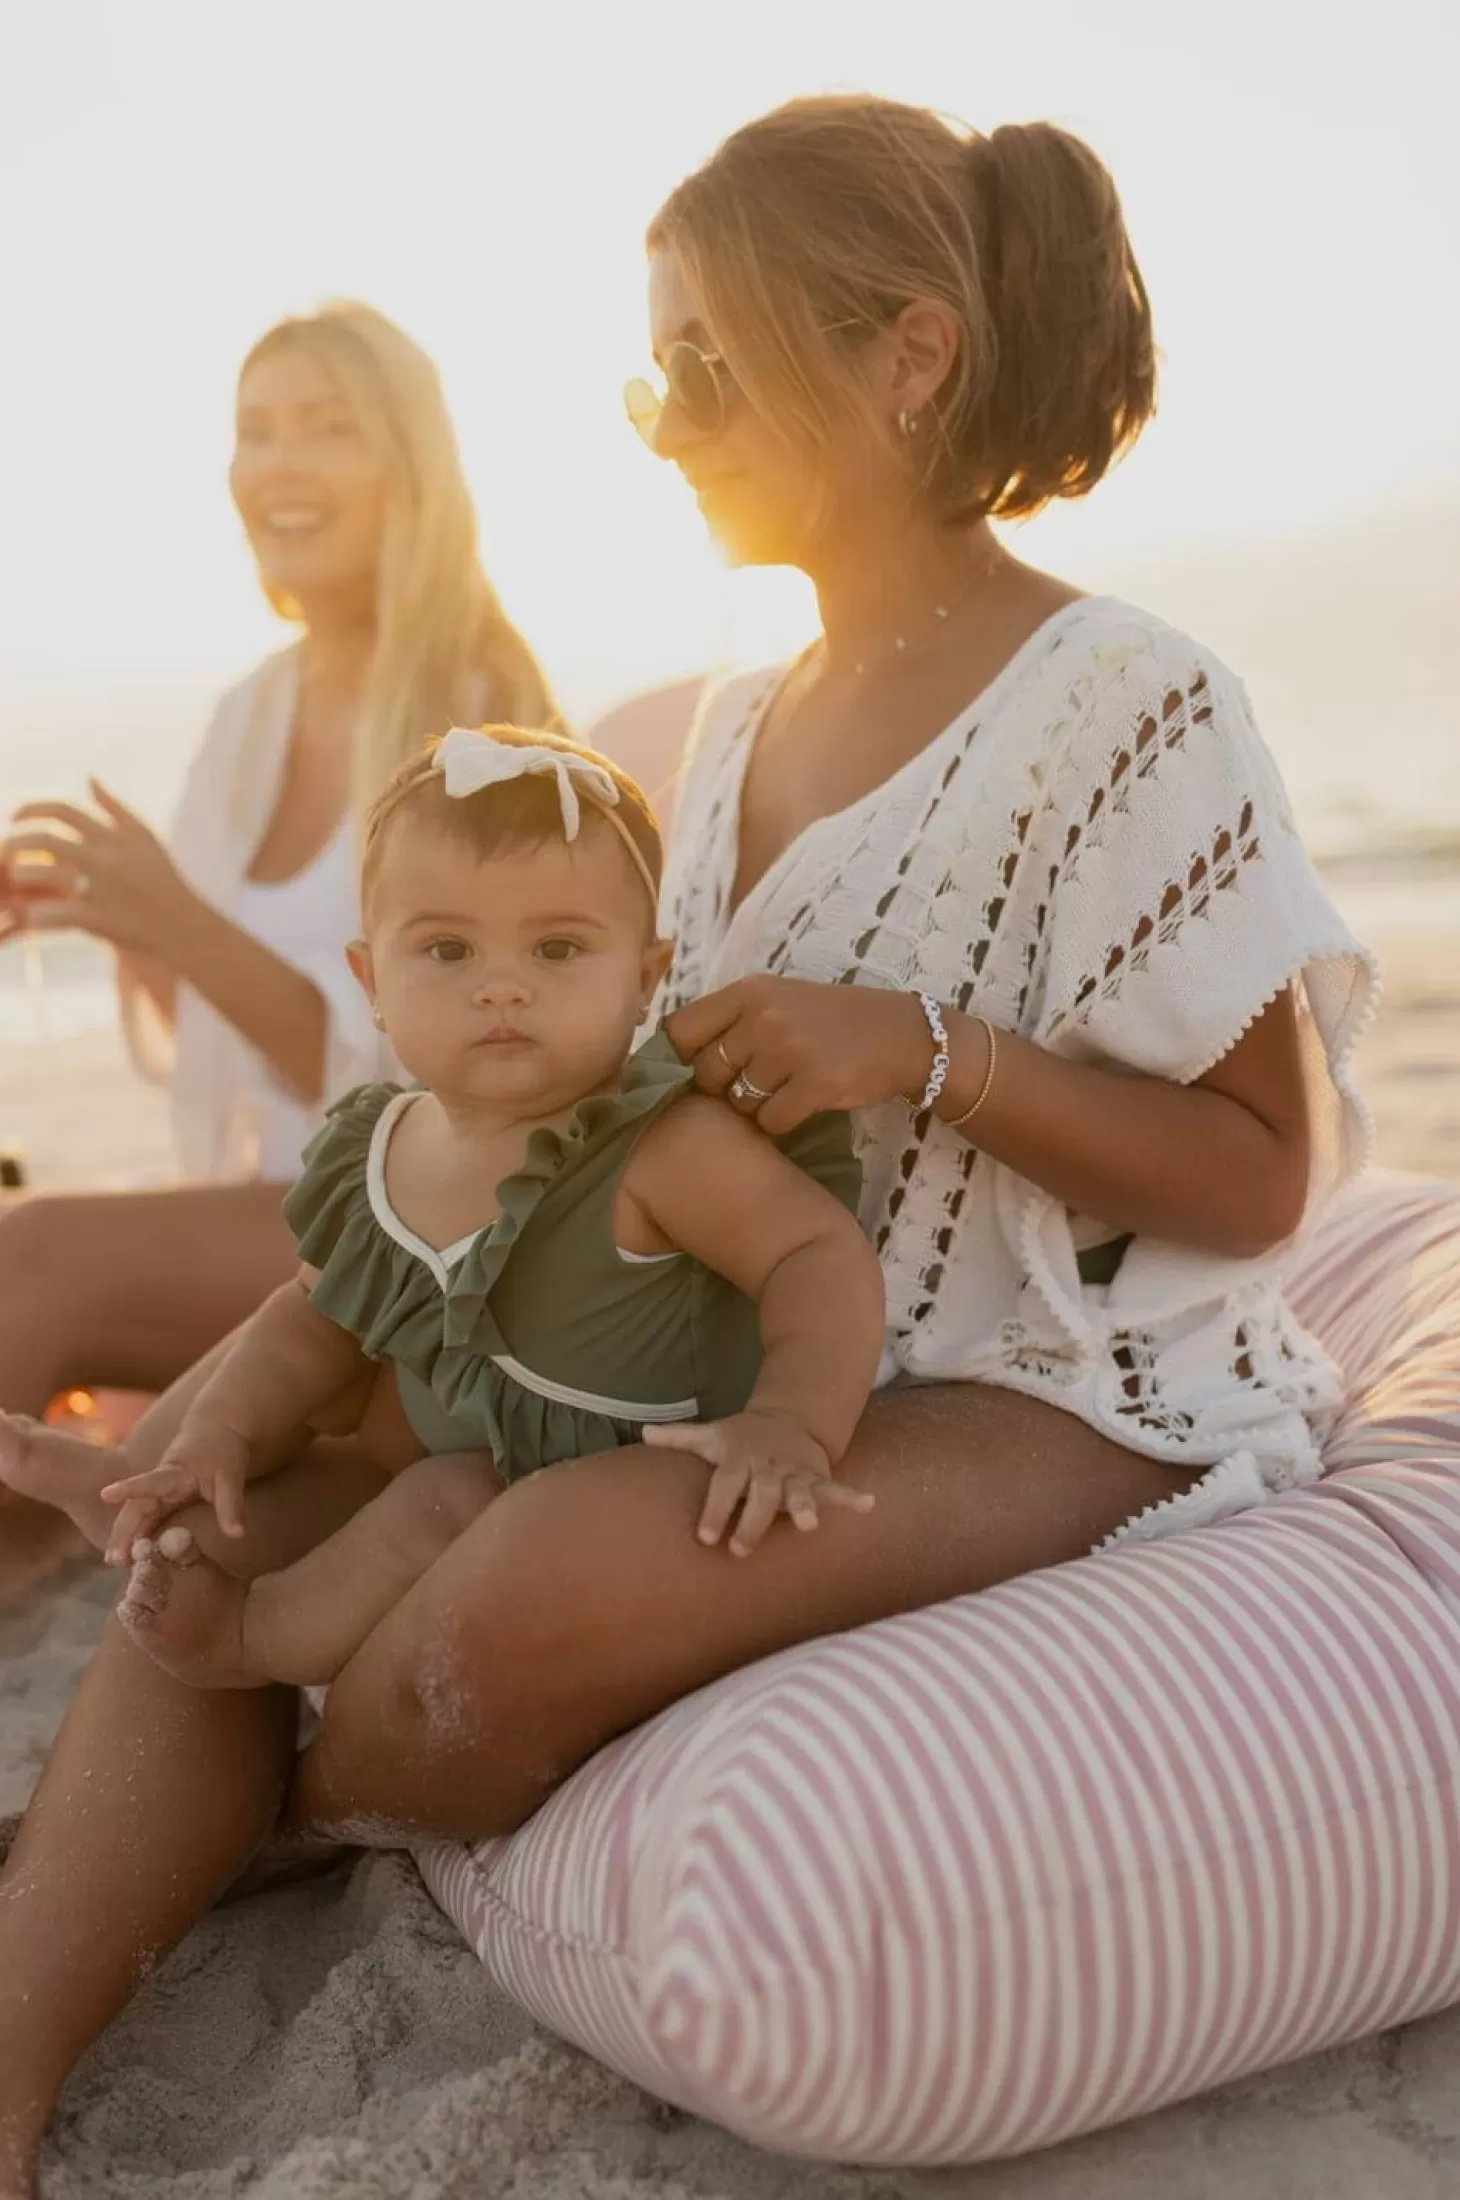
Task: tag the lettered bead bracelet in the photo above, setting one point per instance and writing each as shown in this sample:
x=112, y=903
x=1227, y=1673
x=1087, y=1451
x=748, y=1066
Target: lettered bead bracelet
x=942, y=1062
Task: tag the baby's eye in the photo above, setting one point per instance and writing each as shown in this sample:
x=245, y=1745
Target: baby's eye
x=559, y=950
x=447, y=950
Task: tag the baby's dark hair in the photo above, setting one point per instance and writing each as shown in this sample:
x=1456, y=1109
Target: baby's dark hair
x=515, y=813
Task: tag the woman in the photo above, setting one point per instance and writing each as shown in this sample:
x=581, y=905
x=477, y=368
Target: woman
x=230, y=943
x=1046, y=811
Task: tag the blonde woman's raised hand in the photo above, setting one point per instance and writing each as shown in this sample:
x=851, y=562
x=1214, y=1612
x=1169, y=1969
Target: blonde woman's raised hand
x=104, y=872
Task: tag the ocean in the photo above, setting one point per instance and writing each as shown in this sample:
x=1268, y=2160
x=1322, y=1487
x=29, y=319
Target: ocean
x=1349, y=642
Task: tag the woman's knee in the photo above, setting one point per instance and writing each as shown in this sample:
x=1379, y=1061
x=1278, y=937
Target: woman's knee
x=38, y=1243
x=506, y=1626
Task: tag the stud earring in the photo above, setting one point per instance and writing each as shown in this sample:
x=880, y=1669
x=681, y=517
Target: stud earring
x=907, y=422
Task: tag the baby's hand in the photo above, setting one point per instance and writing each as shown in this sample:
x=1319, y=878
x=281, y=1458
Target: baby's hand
x=202, y=1465
x=765, y=1464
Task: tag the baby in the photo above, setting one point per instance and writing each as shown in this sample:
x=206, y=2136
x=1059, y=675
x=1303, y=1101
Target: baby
x=545, y=1247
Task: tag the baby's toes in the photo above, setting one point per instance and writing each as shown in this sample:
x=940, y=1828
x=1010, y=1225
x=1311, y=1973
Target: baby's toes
x=148, y=1585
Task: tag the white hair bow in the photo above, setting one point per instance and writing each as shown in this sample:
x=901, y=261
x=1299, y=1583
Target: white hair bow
x=468, y=762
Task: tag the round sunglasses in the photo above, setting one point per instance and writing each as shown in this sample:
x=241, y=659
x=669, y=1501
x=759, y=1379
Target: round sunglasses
x=698, y=382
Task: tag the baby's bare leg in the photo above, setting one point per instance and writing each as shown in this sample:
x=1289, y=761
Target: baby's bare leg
x=302, y=1624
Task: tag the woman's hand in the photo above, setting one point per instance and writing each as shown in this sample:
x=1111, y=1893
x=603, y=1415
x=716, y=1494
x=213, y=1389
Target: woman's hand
x=765, y=1464
x=805, y=1047
x=12, y=905
x=108, y=875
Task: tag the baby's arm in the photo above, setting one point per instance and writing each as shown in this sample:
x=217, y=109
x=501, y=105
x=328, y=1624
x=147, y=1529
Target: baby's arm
x=289, y=1364
x=716, y=1187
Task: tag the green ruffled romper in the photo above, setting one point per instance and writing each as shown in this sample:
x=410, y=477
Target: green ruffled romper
x=537, y=1339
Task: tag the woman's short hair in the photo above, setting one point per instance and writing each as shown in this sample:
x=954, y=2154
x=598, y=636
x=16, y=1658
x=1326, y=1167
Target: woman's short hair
x=842, y=210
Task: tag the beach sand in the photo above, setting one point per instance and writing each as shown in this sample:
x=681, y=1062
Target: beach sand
x=335, y=2042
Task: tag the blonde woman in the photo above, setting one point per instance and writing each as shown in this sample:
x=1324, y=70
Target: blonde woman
x=230, y=939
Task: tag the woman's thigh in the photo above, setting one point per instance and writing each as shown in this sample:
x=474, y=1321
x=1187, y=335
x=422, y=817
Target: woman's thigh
x=130, y=1288
x=581, y=1603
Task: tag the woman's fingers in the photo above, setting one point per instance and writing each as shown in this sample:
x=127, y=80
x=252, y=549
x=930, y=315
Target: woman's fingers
x=65, y=850
x=80, y=822
x=116, y=811
x=715, y=1068
x=790, y=1105
x=52, y=913
x=693, y=1028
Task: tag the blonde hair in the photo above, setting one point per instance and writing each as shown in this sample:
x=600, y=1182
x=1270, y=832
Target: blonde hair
x=445, y=651
x=829, y=215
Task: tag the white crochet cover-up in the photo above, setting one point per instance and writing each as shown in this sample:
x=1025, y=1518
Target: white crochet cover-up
x=1097, y=853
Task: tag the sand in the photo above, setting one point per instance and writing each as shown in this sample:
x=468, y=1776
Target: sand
x=336, y=2042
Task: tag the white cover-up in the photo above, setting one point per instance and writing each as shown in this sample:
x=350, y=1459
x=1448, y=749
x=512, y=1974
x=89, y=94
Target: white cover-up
x=233, y=1118
x=1097, y=853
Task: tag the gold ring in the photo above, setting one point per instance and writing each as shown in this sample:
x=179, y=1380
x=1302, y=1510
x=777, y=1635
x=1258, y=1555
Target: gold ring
x=724, y=1057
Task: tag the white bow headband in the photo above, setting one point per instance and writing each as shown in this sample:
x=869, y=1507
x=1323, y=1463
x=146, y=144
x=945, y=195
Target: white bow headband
x=470, y=762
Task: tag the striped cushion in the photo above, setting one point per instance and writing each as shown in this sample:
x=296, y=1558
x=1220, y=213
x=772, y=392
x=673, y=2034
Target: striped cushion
x=975, y=1880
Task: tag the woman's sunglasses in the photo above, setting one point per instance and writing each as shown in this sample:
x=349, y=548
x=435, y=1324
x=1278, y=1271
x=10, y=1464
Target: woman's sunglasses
x=698, y=382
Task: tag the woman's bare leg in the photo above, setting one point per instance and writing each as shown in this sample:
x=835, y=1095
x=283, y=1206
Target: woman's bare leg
x=581, y=1602
x=154, y=1797
x=53, y=1467
x=304, y=1622
x=129, y=1289
x=121, y=1289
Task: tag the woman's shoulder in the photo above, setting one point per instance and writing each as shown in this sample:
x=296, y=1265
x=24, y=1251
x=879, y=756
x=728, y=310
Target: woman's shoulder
x=230, y=784
x=1120, y=642
x=726, y=704
x=269, y=684
x=1118, y=674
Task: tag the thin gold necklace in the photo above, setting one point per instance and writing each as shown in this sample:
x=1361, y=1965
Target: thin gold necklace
x=942, y=612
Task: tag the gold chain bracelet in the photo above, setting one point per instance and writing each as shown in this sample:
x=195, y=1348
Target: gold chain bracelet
x=957, y=1122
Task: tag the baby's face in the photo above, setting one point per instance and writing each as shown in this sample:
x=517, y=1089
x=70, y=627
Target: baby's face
x=518, y=979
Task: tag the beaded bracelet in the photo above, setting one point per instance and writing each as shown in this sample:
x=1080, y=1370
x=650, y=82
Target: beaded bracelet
x=942, y=1060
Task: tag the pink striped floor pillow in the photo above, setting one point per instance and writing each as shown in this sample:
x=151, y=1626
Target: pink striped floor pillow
x=976, y=1880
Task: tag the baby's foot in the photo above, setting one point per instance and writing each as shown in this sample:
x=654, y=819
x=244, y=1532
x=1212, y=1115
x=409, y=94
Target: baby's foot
x=61, y=1470
x=187, y=1614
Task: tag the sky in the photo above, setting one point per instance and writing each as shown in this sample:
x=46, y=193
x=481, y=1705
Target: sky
x=173, y=177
